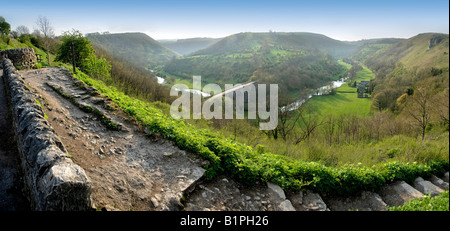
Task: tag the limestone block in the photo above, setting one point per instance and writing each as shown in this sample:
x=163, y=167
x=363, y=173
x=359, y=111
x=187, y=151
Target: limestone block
x=286, y=205
x=439, y=182
x=307, y=201
x=445, y=177
x=276, y=192
x=427, y=187
x=397, y=193
x=365, y=201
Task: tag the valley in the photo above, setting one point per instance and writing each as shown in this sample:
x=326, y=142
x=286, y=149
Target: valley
x=384, y=121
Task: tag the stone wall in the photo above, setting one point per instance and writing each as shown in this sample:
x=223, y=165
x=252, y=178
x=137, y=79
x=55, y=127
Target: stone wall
x=23, y=58
x=53, y=181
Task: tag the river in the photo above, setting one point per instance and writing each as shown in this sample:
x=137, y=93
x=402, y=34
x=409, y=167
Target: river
x=325, y=90
x=293, y=106
x=193, y=91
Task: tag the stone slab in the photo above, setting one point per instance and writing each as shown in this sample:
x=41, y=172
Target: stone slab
x=439, y=182
x=365, y=201
x=307, y=201
x=397, y=193
x=426, y=187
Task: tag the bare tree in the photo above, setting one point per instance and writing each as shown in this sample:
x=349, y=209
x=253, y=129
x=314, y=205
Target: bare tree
x=420, y=109
x=328, y=128
x=44, y=27
x=287, y=121
x=441, y=107
x=308, y=123
x=21, y=30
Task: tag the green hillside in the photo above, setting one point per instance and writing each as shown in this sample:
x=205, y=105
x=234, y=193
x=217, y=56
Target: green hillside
x=414, y=53
x=367, y=48
x=295, y=61
x=188, y=46
x=295, y=40
x=137, y=48
x=419, y=62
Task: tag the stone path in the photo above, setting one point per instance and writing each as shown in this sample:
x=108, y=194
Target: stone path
x=128, y=170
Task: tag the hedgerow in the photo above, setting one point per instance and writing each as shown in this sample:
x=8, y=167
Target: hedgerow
x=249, y=166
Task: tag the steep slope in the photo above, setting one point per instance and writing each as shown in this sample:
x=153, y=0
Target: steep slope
x=137, y=48
x=369, y=47
x=418, y=52
x=188, y=46
x=419, y=62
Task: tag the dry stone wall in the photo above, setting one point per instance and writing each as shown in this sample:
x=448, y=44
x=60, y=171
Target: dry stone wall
x=53, y=181
x=23, y=58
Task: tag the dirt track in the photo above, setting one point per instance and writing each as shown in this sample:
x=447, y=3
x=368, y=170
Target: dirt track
x=127, y=170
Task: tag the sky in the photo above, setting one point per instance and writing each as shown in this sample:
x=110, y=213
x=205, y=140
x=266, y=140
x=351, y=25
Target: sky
x=347, y=20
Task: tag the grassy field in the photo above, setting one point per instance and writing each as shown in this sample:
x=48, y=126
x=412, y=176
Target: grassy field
x=344, y=102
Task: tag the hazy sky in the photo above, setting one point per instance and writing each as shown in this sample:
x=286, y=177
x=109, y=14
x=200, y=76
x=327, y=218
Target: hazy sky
x=170, y=19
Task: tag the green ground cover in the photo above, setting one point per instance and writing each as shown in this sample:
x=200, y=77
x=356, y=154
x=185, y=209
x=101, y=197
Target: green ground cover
x=345, y=101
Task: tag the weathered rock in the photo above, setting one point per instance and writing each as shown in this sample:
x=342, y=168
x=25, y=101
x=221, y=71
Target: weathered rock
x=397, y=193
x=307, y=201
x=445, y=177
x=366, y=201
x=439, y=182
x=58, y=187
x=286, y=205
x=427, y=187
x=276, y=191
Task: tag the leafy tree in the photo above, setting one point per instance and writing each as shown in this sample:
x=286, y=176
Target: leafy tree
x=5, y=28
x=99, y=68
x=82, y=49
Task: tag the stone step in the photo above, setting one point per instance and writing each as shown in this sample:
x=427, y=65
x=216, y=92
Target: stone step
x=365, y=201
x=426, y=187
x=397, y=193
x=445, y=177
x=438, y=182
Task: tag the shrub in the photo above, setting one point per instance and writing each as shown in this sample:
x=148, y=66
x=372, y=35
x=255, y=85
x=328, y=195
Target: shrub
x=427, y=203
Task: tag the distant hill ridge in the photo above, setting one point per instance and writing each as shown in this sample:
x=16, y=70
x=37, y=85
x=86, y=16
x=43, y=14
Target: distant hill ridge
x=190, y=45
x=288, y=40
x=137, y=48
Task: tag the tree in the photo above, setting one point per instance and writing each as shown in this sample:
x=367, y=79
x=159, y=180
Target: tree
x=441, y=107
x=82, y=48
x=44, y=26
x=5, y=28
x=99, y=68
x=420, y=109
x=21, y=30
x=287, y=122
x=308, y=123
